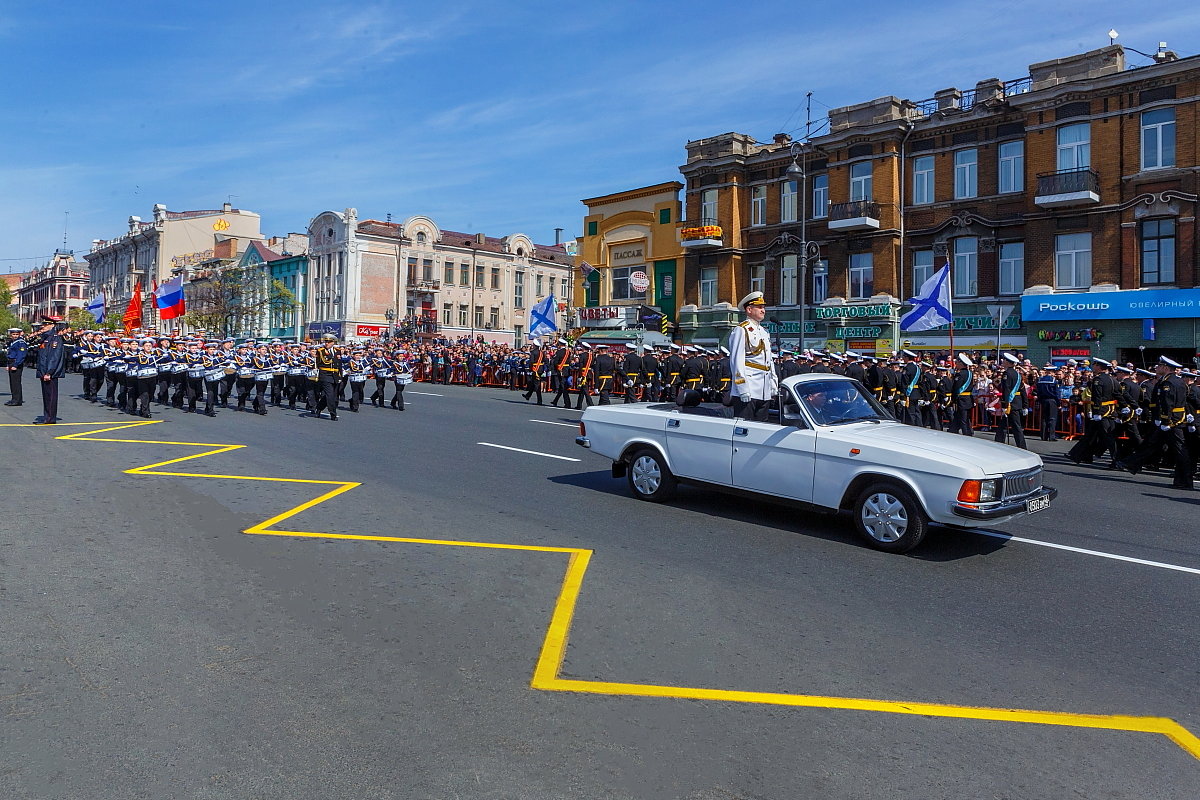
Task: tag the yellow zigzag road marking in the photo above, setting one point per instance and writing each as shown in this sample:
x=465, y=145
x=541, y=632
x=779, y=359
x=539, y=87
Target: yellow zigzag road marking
x=554, y=646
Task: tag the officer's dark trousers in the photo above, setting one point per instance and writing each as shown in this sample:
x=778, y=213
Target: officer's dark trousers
x=14, y=385
x=1173, y=440
x=1049, y=410
x=1012, y=421
x=960, y=416
x=534, y=387
x=751, y=409
x=50, y=399
x=584, y=397
x=327, y=390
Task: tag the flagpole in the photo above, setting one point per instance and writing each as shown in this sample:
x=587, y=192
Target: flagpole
x=950, y=304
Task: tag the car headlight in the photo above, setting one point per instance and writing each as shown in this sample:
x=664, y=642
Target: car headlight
x=979, y=491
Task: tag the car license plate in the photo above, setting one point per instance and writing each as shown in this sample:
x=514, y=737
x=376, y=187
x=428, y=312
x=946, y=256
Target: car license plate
x=1036, y=504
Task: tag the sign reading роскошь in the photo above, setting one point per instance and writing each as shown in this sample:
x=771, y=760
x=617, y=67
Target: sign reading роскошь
x=1134, y=304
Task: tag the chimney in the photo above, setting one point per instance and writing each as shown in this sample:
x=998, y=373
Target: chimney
x=226, y=207
x=480, y=238
x=948, y=98
x=557, y=236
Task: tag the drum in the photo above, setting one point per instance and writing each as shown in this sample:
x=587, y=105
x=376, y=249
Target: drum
x=404, y=378
x=229, y=370
x=358, y=378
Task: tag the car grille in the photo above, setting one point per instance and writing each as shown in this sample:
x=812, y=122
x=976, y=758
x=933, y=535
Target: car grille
x=1019, y=484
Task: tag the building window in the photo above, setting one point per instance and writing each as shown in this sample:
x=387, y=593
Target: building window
x=621, y=290
x=495, y=277
x=447, y=314
x=518, y=289
x=1012, y=267
x=966, y=266
x=820, y=282
x=708, y=286
x=74, y=291
x=420, y=237
x=1012, y=167
x=922, y=268
x=862, y=276
x=664, y=216
x=1158, y=138
x=966, y=173
x=427, y=269
x=493, y=318
x=922, y=191
x=565, y=293
x=757, y=278
x=479, y=276
x=448, y=274
x=1073, y=260
x=592, y=228
x=1075, y=146
x=591, y=293
x=787, y=280
x=341, y=262
x=758, y=205
x=708, y=204
x=537, y=283
x=860, y=181
x=462, y=316
x=464, y=274
x=478, y=316
x=820, y=197
x=787, y=201
x=1158, y=251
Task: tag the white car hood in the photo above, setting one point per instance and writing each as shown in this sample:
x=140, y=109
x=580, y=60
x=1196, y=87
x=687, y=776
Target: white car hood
x=991, y=457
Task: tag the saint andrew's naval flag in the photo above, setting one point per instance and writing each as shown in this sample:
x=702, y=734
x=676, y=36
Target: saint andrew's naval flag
x=542, y=318
x=932, y=306
x=168, y=298
x=97, y=307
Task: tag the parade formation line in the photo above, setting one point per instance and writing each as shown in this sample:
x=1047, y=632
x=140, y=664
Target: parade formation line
x=554, y=646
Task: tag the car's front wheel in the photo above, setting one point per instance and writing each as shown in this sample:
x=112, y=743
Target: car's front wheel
x=649, y=477
x=889, y=517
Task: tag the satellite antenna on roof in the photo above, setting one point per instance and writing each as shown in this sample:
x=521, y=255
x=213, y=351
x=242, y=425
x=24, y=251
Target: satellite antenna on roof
x=66, y=221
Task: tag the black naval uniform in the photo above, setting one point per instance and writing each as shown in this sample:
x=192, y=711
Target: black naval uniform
x=51, y=364
x=329, y=373
x=631, y=370
x=534, y=383
x=1170, y=409
x=17, y=350
x=1099, y=437
x=961, y=401
x=605, y=367
x=1012, y=403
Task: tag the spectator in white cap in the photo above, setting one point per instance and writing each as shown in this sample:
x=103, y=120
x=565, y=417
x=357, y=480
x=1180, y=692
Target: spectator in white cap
x=751, y=361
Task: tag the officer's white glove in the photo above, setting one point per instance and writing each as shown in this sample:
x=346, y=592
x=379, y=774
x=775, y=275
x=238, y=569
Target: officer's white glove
x=1024, y=412
x=1189, y=418
x=1138, y=411
x=1191, y=428
x=1125, y=412
x=1164, y=426
x=1095, y=417
x=628, y=384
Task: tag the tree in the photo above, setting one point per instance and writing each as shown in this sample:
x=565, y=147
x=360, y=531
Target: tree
x=81, y=319
x=7, y=318
x=236, y=301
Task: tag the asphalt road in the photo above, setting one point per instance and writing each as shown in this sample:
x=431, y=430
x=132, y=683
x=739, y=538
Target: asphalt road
x=152, y=650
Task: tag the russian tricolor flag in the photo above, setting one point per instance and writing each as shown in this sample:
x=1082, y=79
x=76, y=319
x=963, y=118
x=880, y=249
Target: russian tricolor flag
x=168, y=297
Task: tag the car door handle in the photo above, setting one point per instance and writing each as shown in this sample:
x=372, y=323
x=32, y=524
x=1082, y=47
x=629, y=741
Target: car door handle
x=740, y=431
x=672, y=423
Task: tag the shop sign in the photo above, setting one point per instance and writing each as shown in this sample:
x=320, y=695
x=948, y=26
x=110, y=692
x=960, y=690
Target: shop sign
x=866, y=332
x=790, y=326
x=701, y=232
x=1081, y=335
x=630, y=253
x=369, y=331
x=981, y=322
x=639, y=281
x=1070, y=352
x=191, y=259
x=668, y=285
x=1132, y=304
x=862, y=345
x=316, y=329
x=599, y=313
x=852, y=312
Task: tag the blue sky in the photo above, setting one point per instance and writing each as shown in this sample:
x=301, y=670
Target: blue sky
x=491, y=116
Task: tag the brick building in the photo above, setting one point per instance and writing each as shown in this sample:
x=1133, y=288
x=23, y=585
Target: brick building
x=55, y=288
x=1078, y=177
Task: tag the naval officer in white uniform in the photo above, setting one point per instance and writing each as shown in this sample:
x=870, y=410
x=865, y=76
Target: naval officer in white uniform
x=751, y=362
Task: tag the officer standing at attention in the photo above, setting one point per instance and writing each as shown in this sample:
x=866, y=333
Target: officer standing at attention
x=961, y=399
x=911, y=390
x=1012, y=404
x=752, y=362
x=605, y=367
x=51, y=364
x=17, y=347
x=329, y=373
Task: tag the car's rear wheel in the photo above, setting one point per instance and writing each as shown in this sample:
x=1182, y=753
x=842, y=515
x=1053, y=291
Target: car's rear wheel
x=888, y=517
x=649, y=477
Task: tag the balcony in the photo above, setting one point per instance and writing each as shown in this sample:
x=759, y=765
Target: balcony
x=700, y=233
x=422, y=284
x=857, y=215
x=1068, y=187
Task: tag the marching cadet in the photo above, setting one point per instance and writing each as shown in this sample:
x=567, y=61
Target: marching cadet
x=379, y=366
x=228, y=351
x=329, y=374
x=962, y=386
x=911, y=391
x=752, y=362
x=1128, y=411
x=401, y=377
x=583, y=368
x=145, y=378
x=296, y=381
x=91, y=363
x=631, y=371
x=112, y=354
x=560, y=374
x=536, y=358
x=214, y=376
x=164, y=352
x=243, y=363
x=193, y=375
x=18, y=348
x=672, y=369
x=356, y=375
x=1012, y=404
x=264, y=370
x=279, y=372
x=945, y=395
x=1170, y=418
x=605, y=367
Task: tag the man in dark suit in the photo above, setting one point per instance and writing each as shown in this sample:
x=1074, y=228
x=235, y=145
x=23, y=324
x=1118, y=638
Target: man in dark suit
x=51, y=365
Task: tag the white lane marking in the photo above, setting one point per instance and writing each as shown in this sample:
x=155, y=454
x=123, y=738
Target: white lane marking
x=530, y=452
x=428, y=394
x=1099, y=553
x=548, y=422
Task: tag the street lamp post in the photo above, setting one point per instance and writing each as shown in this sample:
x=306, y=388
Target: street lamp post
x=391, y=315
x=809, y=251
x=474, y=281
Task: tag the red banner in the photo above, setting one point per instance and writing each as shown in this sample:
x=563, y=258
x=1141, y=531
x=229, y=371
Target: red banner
x=133, y=313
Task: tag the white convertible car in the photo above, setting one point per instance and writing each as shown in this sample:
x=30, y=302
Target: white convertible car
x=832, y=447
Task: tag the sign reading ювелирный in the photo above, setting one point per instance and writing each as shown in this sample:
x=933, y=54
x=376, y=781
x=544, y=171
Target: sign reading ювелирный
x=1133, y=304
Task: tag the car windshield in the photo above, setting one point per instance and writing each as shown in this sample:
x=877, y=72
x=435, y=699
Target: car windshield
x=836, y=402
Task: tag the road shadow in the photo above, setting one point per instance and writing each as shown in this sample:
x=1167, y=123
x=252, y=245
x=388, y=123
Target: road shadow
x=941, y=544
